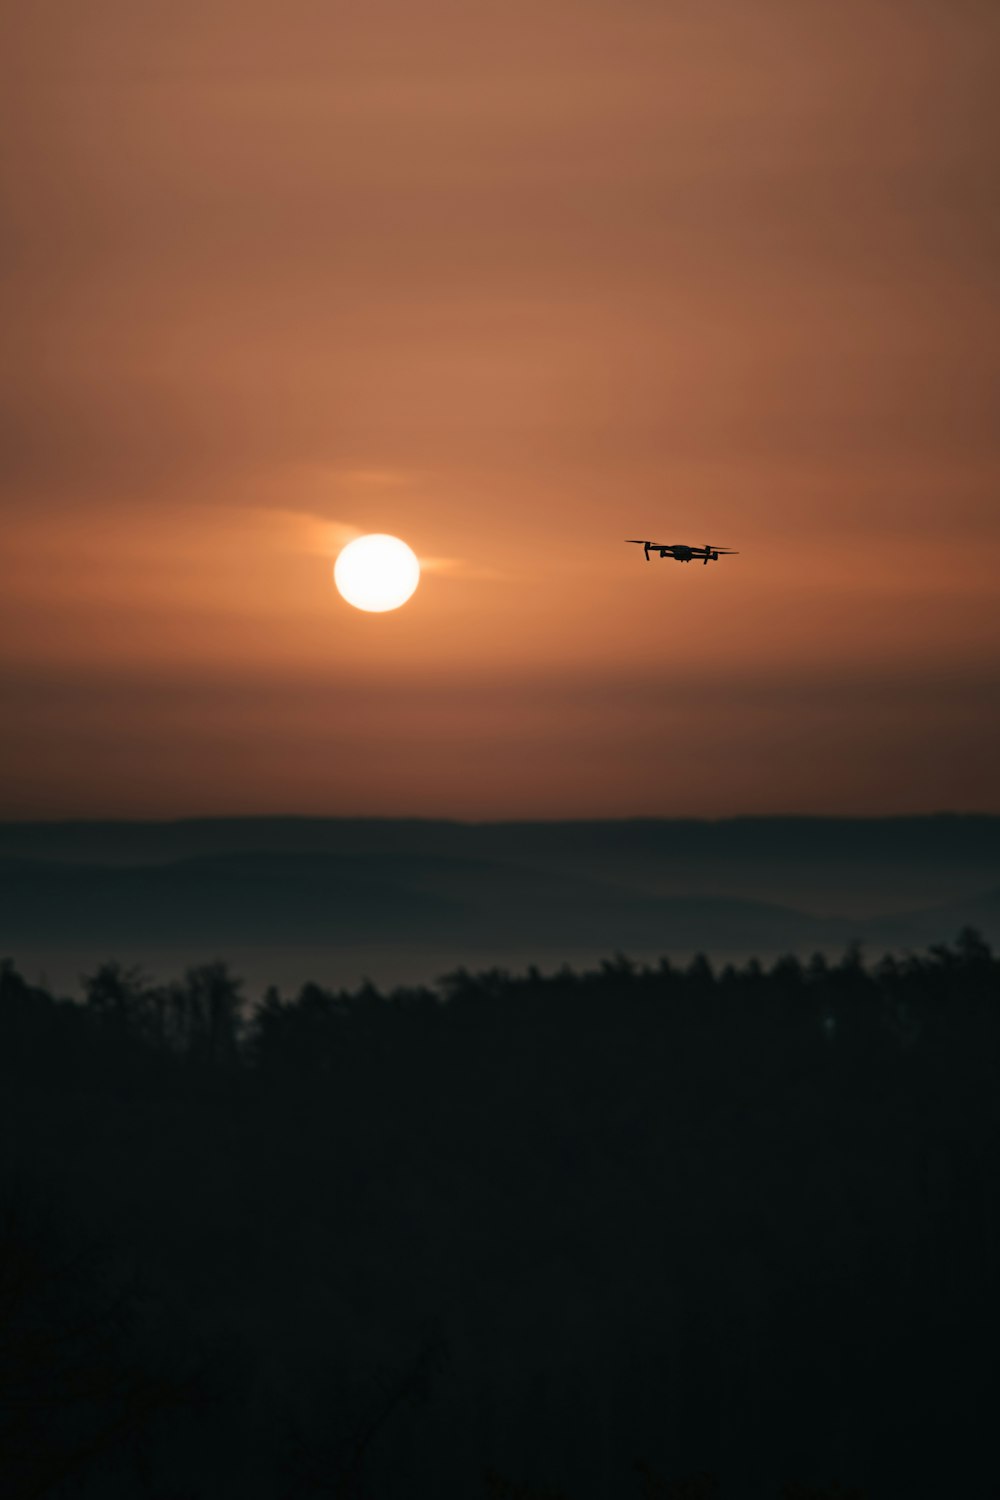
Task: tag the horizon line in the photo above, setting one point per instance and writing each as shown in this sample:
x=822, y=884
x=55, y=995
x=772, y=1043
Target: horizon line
x=90, y=820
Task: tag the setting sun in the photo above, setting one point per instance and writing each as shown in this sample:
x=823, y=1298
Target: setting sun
x=376, y=572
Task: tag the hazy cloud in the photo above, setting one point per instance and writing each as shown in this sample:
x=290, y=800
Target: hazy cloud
x=512, y=282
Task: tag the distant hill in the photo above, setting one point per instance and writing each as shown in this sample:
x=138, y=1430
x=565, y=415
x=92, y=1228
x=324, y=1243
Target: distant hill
x=406, y=899
x=282, y=898
x=968, y=838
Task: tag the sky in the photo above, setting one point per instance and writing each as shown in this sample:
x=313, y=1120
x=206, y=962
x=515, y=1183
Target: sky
x=513, y=282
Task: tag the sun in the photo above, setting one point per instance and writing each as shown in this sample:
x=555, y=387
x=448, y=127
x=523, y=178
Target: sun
x=376, y=572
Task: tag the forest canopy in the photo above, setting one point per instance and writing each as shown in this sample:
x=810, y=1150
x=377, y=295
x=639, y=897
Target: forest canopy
x=580, y=1234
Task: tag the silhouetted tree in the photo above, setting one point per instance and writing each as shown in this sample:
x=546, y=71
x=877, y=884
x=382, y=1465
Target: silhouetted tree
x=205, y=1013
x=652, y=1209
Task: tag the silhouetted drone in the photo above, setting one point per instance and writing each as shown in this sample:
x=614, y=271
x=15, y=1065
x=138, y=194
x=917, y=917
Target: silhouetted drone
x=680, y=553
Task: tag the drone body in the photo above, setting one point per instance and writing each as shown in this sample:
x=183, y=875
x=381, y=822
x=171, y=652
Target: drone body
x=680, y=552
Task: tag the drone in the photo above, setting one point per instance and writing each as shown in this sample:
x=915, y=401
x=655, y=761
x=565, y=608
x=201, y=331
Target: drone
x=681, y=553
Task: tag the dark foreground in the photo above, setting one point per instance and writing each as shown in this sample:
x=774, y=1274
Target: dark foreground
x=629, y=1233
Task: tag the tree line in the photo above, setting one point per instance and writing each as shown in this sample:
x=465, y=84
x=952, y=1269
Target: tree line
x=649, y=1230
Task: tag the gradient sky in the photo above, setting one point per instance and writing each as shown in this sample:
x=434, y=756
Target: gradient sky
x=514, y=281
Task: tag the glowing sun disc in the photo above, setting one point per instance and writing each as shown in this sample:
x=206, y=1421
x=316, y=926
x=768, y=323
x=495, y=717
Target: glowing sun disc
x=376, y=572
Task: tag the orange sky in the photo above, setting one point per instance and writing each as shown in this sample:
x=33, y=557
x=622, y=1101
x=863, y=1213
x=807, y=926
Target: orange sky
x=513, y=281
